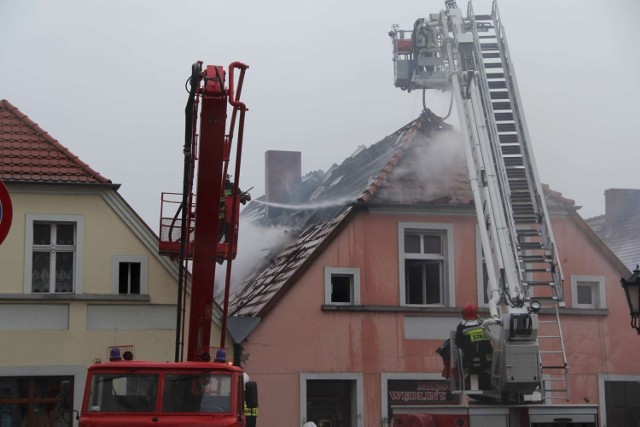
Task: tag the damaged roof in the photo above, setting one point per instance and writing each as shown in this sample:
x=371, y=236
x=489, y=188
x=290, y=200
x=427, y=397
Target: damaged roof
x=29, y=154
x=418, y=164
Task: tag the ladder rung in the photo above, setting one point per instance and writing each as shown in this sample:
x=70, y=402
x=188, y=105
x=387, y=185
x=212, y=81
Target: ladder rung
x=499, y=94
x=502, y=117
x=494, y=75
x=498, y=84
x=510, y=149
x=506, y=127
x=489, y=46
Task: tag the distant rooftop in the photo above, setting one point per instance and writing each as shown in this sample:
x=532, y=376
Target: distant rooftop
x=619, y=227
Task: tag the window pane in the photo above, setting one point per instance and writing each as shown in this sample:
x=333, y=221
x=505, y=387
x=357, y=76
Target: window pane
x=585, y=293
x=65, y=234
x=129, y=278
x=51, y=387
x=432, y=244
x=123, y=393
x=123, y=278
x=433, y=281
x=12, y=413
x=414, y=282
x=41, y=234
x=197, y=393
x=135, y=278
x=423, y=281
x=64, y=271
x=341, y=286
x=40, y=272
x=412, y=243
x=14, y=388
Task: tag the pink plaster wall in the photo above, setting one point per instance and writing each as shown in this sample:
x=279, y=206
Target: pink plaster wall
x=297, y=336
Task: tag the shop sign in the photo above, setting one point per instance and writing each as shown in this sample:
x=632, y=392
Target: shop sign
x=420, y=392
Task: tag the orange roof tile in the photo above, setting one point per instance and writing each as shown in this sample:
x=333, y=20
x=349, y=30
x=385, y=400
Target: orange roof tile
x=29, y=154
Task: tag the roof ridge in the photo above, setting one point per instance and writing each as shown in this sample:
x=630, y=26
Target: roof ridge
x=405, y=140
x=41, y=133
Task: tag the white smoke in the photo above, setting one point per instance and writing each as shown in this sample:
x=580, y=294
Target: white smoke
x=255, y=247
x=433, y=167
x=311, y=205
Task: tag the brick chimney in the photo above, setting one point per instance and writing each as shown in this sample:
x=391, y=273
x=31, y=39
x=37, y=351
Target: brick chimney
x=282, y=171
x=618, y=203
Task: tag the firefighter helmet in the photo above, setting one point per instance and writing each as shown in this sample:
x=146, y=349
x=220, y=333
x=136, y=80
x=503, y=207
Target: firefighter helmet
x=470, y=312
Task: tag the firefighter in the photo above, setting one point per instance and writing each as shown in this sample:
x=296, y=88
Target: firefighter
x=475, y=344
x=227, y=191
x=250, y=412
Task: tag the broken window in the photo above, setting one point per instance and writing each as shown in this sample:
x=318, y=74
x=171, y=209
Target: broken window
x=342, y=286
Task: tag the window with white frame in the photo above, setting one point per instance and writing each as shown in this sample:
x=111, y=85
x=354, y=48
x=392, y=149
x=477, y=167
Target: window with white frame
x=129, y=275
x=426, y=264
x=588, y=292
x=341, y=286
x=52, y=260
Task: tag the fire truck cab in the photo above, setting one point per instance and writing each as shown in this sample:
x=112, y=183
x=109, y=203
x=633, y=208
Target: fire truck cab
x=136, y=393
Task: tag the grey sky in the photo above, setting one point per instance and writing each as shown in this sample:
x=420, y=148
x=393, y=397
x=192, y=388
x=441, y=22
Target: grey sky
x=106, y=78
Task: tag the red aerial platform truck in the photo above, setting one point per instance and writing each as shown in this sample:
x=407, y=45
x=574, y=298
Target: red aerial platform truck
x=206, y=389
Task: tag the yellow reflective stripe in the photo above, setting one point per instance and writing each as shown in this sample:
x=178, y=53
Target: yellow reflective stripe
x=477, y=335
x=251, y=412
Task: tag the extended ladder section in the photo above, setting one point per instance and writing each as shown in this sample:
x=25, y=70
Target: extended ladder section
x=534, y=242
x=515, y=229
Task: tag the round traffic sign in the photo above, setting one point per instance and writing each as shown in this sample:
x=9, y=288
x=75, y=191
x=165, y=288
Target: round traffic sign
x=6, y=212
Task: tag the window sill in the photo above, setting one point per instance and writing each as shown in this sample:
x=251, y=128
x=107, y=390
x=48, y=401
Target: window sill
x=450, y=310
x=73, y=297
x=579, y=311
x=390, y=309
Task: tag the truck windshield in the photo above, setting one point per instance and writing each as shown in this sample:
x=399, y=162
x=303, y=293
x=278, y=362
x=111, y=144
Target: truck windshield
x=203, y=393
x=123, y=393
